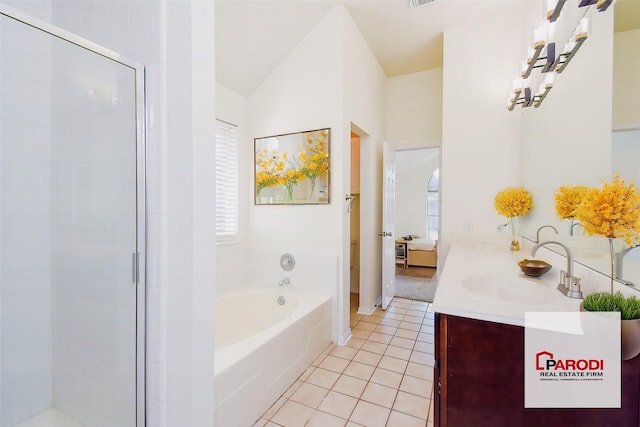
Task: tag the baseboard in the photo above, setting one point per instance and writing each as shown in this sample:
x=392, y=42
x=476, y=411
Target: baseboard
x=345, y=337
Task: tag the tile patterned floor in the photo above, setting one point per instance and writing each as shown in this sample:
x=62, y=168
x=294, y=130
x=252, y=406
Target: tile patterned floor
x=382, y=378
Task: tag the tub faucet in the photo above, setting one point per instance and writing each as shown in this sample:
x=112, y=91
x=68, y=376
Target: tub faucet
x=284, y=281
x=619, y=258
x=544, y=226
x=569, y=285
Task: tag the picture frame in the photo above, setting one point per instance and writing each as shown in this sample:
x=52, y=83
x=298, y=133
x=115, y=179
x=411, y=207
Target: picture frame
x=293, y=168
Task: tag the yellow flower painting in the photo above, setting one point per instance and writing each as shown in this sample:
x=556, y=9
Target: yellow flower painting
x=293, y=168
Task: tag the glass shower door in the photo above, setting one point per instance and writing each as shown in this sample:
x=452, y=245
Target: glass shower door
x=71, y=191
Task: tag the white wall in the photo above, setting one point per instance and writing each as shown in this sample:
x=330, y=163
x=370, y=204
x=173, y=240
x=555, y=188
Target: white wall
x=414, y=168
x=364, y=101
x=480, y=137
x=567, y=140
x=626, y=84
x=413, y=112
x=25, y=214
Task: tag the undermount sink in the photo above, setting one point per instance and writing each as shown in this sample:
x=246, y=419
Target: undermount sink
x=509, y=288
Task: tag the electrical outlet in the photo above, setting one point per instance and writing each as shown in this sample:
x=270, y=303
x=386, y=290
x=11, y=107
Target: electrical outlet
x=468, y=227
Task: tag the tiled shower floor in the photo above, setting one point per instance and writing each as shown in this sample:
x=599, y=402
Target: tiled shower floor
x=382, y=378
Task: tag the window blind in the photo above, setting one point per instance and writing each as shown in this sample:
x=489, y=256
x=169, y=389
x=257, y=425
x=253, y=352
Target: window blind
x=226, y=181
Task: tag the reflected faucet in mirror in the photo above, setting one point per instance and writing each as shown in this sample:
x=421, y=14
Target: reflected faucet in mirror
x=540, y=228
x=619, y=258
x=569, y=285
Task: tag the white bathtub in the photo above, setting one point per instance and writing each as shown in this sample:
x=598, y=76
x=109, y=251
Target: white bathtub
x=262, y=347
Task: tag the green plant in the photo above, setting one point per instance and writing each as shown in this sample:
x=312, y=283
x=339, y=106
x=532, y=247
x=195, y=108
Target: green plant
x=629, y=307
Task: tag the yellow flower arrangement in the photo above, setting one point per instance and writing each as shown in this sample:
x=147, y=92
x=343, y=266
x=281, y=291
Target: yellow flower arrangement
x=269, y=166
x=567, y=200
x=513, y=201
x=314, y=159
x=612, y=211
x=289, y=179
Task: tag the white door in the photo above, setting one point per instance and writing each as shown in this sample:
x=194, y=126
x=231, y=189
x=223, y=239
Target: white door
x=388, y=221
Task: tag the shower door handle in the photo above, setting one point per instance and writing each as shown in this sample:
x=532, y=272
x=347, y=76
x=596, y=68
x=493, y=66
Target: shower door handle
x=385, y=234
x=135, y=267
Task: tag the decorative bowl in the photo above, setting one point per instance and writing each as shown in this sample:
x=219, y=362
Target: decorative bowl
x=534, y=267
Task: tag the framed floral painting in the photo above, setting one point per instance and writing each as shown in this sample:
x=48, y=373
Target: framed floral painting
x=292, y=169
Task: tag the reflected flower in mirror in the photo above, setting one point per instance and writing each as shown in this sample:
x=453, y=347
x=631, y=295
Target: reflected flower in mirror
x=567, y=200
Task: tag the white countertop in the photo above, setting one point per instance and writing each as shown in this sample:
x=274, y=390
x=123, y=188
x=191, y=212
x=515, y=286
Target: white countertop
x=482, y=280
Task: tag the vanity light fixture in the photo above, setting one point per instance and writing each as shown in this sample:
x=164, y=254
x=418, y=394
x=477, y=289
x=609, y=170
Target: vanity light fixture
x=543, y=90
x=540, y=35
x=602, y=5
x=520, y=95
x=554, y=9
x=578, y=37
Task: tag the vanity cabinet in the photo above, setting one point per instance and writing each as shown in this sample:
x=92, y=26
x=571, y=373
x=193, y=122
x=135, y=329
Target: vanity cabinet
x=479, y=378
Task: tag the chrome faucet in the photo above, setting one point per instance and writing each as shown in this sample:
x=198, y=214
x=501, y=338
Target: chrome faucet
x=619, y=258
x=573, y=224
x=569, y=285
x=544, y=226
x=284, y=281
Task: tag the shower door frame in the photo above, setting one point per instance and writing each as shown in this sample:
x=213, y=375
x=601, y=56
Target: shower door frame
x=139, y=262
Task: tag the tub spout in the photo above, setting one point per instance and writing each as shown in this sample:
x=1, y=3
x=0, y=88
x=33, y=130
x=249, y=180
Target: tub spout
x=284, y=281
x=569, y=285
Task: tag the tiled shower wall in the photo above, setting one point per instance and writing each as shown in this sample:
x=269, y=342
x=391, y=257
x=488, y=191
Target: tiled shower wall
x=25, y=237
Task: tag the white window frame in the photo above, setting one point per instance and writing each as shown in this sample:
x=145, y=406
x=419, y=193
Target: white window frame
x=227, y=186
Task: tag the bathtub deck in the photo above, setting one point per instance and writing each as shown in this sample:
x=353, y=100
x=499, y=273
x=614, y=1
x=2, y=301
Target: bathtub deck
x=382, y=378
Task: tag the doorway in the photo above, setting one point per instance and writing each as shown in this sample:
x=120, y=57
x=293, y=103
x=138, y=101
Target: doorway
x=417, y=222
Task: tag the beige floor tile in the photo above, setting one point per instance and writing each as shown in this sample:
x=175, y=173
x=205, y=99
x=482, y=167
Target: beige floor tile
x=318, y=360
x=398, y=352
x=370, y=415
x=365, y=325
x=409, y=326
x=402, y=342
x=401, y=302
x=422, y=358
x=387, y=378
x=352, y=424
x=293, y=414
x=416, y=386
x=420, y=308
x=335, y=364
x=322, y=419
x=396, y=309
x=390, y=322
x=350, y=386
x=413, y=319
x=419, y=371
x=374, y=347
x=416, y=313
x=384, y=329
x=379, y=394
x=367, y=357
x=360, y=333
x=374, y=319
x=338, y=404
x=355, y=343
x=344, y=352
x=393, y=364
x=260, y=423
x=411, y=404
x=329, y=348
x=429, y=321
x=426, y=337
x=287, y=394
x=274, y=408
x=270, y=424
x=309, y=394
x=394, y=316
x=425, y=347
x=381, y=338
x=404, y=333
x=398, y=419
x=323, y=378
x=359, y=370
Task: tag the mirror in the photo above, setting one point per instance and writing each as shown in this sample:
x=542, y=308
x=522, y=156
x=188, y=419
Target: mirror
x=292, y=168
x=587, y=130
